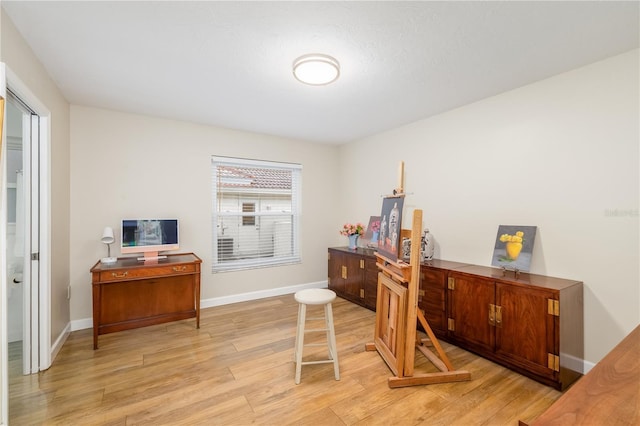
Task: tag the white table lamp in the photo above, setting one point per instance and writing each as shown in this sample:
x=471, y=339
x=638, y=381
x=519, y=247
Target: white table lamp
x=108, y=239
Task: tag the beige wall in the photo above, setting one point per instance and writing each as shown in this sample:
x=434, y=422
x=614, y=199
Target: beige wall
x=19, y=58
x=560, y=154
x=125, y=165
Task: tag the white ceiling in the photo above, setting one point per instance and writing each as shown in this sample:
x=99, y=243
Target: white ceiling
x=229, y=63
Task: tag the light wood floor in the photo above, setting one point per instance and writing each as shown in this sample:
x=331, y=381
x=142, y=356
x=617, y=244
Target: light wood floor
x=238, y=369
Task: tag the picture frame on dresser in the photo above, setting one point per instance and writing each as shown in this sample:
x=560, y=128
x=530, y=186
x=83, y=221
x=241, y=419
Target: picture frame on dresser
x=372, y=233
x=513, y=247
x=390, y=227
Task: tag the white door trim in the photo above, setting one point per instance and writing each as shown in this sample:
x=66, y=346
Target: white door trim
x=44, y=322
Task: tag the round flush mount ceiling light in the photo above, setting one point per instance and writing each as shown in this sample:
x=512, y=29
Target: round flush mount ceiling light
x=316, y=69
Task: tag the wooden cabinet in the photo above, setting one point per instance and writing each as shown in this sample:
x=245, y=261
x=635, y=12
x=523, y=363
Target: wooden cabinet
x=130, y=294
x=531, y=324
x=432, y=295
x=353, y=275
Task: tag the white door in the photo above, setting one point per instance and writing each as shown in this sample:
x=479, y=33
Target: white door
x=255, y=232
x=22, y=137
x=31, y=253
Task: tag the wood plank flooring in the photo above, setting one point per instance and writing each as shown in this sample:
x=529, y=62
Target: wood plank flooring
x=238, y=369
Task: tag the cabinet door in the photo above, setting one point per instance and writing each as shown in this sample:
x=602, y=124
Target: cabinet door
x=127, y=301
x=334, y=271
x=431, y=299
x=346, y=273
x=370, y=283
x=354, y=278
x=525, y=335
x=470, y=300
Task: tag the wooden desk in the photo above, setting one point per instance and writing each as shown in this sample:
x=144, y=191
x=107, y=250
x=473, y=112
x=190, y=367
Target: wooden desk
x=130, y=293
x=608, y=395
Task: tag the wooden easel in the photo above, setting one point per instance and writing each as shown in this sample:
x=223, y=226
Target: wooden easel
x=397, y=315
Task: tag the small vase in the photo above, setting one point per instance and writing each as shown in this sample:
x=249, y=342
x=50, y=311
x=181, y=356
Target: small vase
x=513, y=250
x=427, y=245
x=353, y=241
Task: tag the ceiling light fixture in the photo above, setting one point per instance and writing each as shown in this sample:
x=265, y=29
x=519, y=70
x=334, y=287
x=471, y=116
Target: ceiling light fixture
x=316, y=69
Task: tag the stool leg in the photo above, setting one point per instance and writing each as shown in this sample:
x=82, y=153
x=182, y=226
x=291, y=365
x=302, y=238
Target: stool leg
x=302, y=311
x=327, y=326
x=295, y=346
x=333, y=351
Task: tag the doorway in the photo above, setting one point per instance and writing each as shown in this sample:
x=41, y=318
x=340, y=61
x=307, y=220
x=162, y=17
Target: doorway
x=22, y=235
x=35, y=127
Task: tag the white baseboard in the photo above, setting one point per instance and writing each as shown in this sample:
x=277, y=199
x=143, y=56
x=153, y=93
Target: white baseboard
x=255, y=295
x=81, y=324
x=85, y=323
x=573, y=363
x=57, y=345
x=588, y=366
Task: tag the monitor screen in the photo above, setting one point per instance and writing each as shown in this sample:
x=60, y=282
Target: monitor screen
x=149, y=236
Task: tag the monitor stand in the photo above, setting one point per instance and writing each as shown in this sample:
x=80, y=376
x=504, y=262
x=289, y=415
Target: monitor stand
x=151, y=257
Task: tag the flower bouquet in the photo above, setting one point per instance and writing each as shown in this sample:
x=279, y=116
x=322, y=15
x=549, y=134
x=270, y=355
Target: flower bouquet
x=353, y=231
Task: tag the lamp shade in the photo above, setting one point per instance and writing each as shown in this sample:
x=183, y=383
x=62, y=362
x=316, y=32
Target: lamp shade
x=107, y=235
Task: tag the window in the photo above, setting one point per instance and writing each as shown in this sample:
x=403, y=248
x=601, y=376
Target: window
x=256, y=213
x=248, y=208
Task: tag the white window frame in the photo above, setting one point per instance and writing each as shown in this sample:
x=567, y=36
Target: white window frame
x=233, y=264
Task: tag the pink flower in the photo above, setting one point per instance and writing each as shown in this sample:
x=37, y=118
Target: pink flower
x=351, y=229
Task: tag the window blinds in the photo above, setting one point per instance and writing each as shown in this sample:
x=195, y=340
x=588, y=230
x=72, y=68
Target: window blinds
x=255, y=213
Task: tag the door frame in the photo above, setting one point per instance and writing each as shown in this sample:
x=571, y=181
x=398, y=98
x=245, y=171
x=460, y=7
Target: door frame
x=44, y=288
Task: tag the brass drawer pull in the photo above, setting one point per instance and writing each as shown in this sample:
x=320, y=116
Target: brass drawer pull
x=498, y=316
x=492, y=315
x=179, y=268
x=122, y=275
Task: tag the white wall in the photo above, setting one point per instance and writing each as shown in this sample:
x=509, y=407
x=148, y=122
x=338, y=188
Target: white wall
x=125, y=165
x=560, y=154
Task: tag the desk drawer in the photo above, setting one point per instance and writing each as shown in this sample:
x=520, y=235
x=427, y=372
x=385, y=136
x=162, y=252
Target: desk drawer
x=146, y=272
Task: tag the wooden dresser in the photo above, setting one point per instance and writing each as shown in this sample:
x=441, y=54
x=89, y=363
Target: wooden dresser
x=130, y=293
x=532, y=324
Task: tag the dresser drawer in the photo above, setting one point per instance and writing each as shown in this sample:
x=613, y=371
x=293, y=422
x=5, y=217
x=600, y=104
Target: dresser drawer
x=133, y=273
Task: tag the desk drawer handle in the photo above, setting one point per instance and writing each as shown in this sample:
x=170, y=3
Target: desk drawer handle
x=122, y=275
x=179, y=268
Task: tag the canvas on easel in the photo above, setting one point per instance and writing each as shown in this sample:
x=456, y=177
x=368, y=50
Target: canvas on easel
x=397, y=316
x=397, y=313
x=390, y=226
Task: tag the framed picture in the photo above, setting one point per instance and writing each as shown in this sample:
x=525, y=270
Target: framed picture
x=390, y=226
x=373, y=231
x=513, y=247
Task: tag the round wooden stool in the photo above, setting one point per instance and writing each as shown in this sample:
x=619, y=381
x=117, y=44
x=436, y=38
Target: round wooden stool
x=315, y=296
